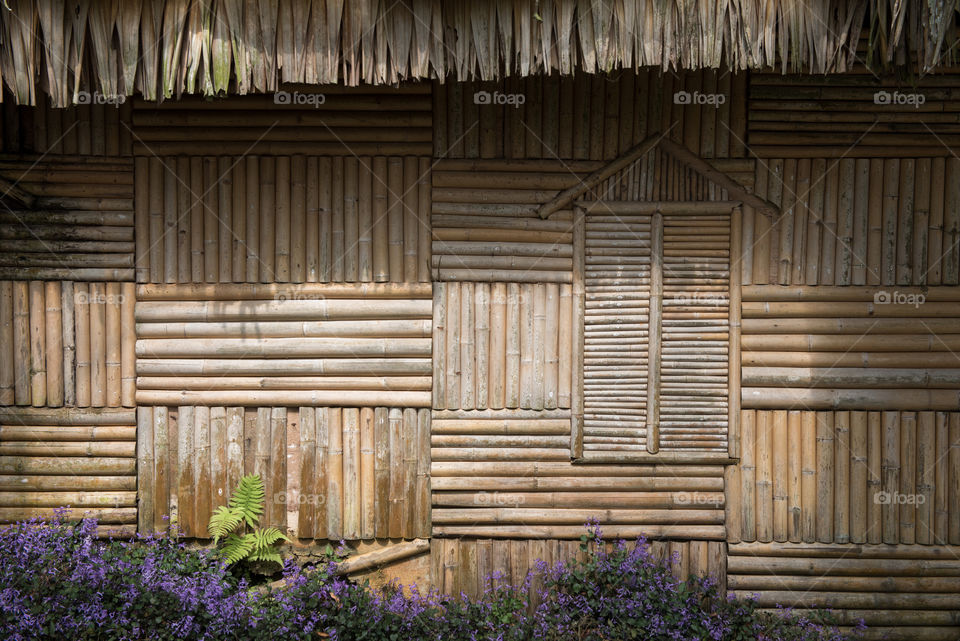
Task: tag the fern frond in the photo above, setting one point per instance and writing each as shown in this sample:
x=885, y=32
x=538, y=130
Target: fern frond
x=266, y=555
x=237, y=547
x=248, y=499
x=223, y=521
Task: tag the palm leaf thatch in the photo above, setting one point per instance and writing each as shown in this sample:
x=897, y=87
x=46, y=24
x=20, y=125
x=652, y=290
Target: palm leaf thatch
x=164, y=48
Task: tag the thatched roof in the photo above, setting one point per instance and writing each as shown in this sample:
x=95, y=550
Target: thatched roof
x=162, y=48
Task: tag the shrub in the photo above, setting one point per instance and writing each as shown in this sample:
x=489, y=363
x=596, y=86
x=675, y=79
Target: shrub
x=57, y=581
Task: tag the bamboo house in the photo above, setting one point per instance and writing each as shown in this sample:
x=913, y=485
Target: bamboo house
x=456, y=278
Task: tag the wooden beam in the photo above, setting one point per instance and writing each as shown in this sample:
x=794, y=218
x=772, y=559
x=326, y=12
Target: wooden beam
x=567, y=196
x=734, y=189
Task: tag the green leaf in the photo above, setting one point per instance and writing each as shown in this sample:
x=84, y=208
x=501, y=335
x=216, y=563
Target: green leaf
x=248, y=499
x=223, y=520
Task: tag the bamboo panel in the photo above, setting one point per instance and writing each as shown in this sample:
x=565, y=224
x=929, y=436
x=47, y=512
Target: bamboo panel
x=297, y=348
x=470, y=566
x=335, y=123
x=84, y=459
x=53, y=327
x=901, y=592
x=485, y=225
x=328, y=490
x=855, y=477
x=850, y=348
x=591, y=118
x=81, y=226
x=480, y=360
x=275, y=230
x=506, y=474
x=792, y=116
x=95, y=128
x=896, y=221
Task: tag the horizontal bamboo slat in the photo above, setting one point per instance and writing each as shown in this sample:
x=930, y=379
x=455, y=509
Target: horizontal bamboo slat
x=83, y=459
x=295, y=348
x=877, y=348
x=901, y=592
x=511, y=476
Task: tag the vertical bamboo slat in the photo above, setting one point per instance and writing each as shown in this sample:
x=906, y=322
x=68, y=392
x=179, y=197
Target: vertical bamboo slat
x=367, y=474
x=145, y=476
x=37, y=345
x=54, y=344
x=7, y=349
x=351, y=473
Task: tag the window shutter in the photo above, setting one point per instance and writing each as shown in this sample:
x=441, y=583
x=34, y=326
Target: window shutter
x=695, y=332
x=655, y=329
x=616, y=331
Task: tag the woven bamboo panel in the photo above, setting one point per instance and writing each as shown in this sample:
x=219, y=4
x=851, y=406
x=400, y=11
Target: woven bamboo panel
x=322, y=120
x=502, y=345
x=589, y=117
x=901, y=592
x=92, y=129
x=850, y=348
x=469, y=566
x=852, y=115
x=485, y=225
x=283, y=219
x=81, y=225
x=284, y=344
x=82, y=458
x=863, y=221
x=329, y=473
x=508, y=474
x=65, y=343
x=846, y=477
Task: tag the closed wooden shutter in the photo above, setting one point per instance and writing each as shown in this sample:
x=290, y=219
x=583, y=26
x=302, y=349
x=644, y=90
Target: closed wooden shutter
x=695, y=332
x=616, y=330
x=655, y=329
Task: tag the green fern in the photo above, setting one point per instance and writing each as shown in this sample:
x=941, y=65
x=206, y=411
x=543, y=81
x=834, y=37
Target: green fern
x=229, y=522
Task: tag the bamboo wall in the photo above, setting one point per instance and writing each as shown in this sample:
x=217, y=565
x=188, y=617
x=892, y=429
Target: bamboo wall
x=223, y=219
x=82, y=458
x=464, y=565
x=81, y=227
x=856, y=221
x=591, y=117
x=82, y=130
x=840, y=116
x=899, y=591
x=290, y=346
x=329, y=472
